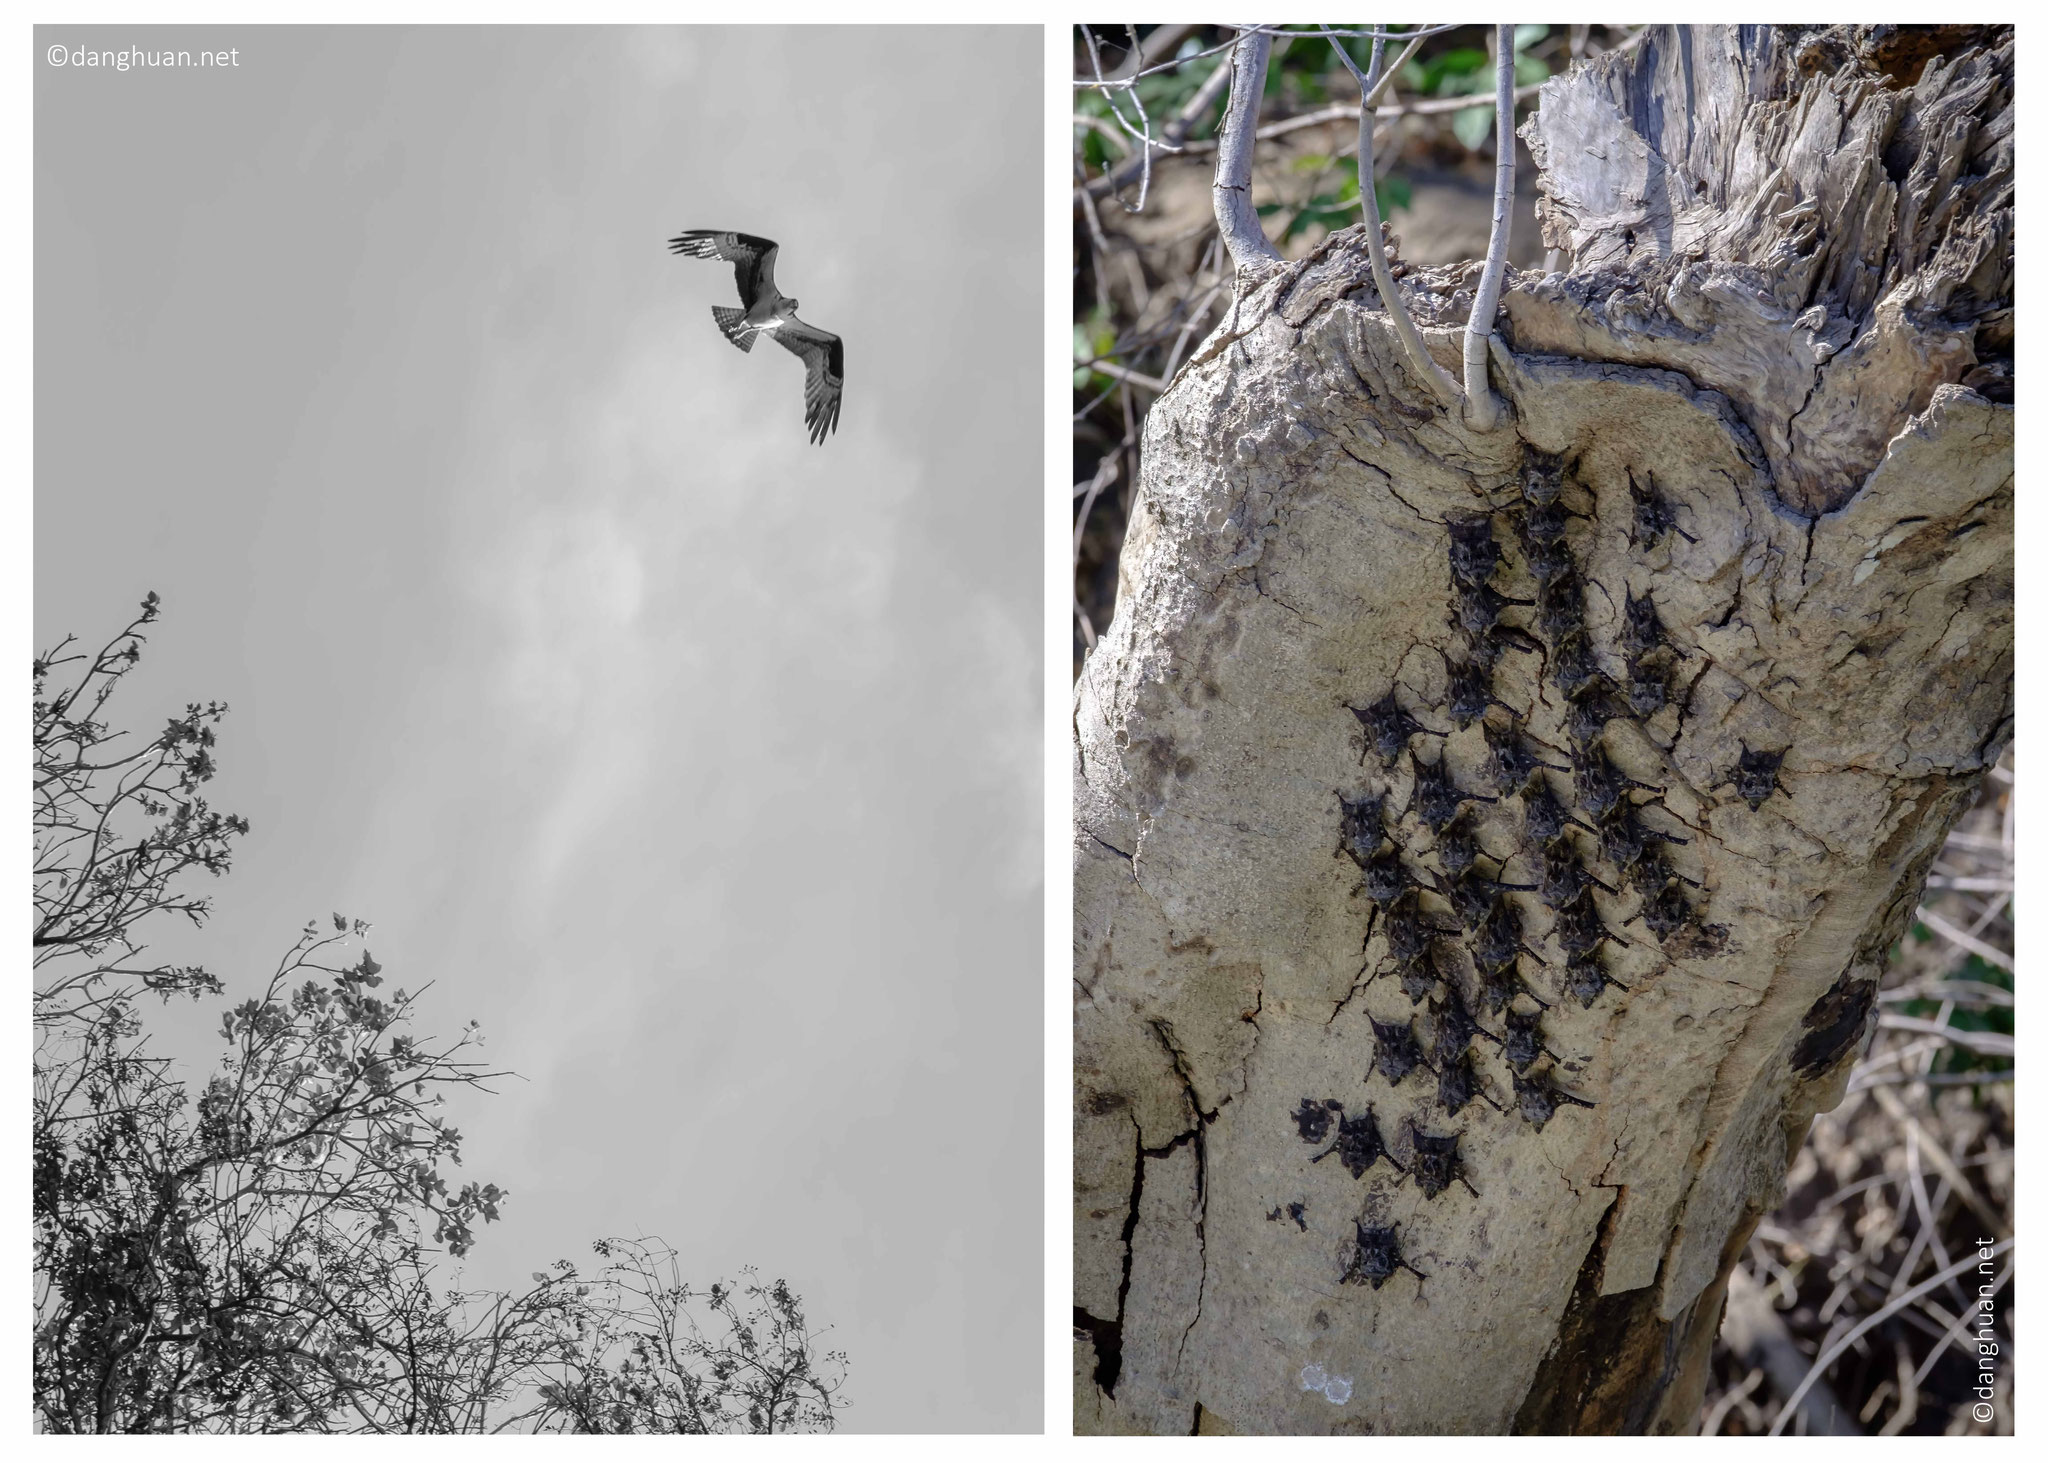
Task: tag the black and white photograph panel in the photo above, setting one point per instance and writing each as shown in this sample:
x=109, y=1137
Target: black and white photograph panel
x=538, y=617
x=1544, y=698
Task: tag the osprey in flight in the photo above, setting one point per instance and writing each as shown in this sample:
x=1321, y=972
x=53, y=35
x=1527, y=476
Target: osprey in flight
x=767, y=311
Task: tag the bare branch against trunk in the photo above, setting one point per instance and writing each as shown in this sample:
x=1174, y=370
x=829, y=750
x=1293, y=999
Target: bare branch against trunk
x=1482, y=407
x=1742, y=573
x=1371, y=84
x=1236, y=216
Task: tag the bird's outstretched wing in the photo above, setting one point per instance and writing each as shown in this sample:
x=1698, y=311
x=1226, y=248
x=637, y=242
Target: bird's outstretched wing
x=752, y=257
x=824, y=374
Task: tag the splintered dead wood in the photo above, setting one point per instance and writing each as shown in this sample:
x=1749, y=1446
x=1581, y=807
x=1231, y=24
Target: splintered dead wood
x=1740, y=791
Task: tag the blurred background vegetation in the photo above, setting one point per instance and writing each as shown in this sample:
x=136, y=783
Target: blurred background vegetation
x=1916, y=1165
x=1900, y=1183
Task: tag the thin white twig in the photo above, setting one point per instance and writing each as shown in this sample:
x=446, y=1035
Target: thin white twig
x=1959, y=992
x=1106, y=132
x=1928, y=1237
x=1712, y=1426
x=1136, y=77
x=1963, y=938
x=1105, y=474
x=1265, y=30
x=1861, y=1083
x=1123, y=373
x=1988, y=1043
x=1827, y=1358
x=1142, y=134
x=1157, y=51
x=1371, y=88
x=1850, y=1191
x=1955, y=1332
x=1098, y=246
x=1364, y=35
x=1435, y=377
x=1434, y=106
x=1138, y=100
x=1342, y=112
x=1482, y=407
x=1236, y=218
x=1938, y=1156
x=1175, y=136
x=1099, y=84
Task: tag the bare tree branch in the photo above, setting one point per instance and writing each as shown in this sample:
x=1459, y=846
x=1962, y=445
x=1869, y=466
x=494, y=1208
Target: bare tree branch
x=1827, y=1358
x=1434, y=376
x=1143, y=131
x=1238, y=220
x=1122, y=373
x=1482, y=407
x=1341, y=112
x=1154, y=54
x=259, y=1253
x=1134, y=78
x=1172, y=139
x=1121, y=78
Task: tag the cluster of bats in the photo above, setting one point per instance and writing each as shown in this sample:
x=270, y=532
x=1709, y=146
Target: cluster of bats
x=1577, y=808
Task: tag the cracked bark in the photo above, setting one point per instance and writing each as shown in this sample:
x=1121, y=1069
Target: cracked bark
x=1789, y=302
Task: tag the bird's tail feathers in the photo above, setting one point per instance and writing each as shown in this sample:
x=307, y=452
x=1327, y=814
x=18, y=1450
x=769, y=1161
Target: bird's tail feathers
x=734, y=324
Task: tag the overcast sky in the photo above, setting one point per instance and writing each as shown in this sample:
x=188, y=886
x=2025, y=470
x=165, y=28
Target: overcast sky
x=701, y=765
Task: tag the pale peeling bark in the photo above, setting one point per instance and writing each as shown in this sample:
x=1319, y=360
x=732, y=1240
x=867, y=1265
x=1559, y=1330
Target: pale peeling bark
x=1818, y=283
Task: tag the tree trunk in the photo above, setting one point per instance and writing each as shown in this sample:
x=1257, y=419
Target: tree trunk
x=1787, y=316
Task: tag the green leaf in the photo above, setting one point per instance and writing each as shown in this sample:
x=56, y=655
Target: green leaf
x=1449, y=74
x=1528, y=35
x=1531, y=70
x=1472, y=125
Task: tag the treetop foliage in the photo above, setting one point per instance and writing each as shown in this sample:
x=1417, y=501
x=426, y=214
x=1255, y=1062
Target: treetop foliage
x=265, y=1254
